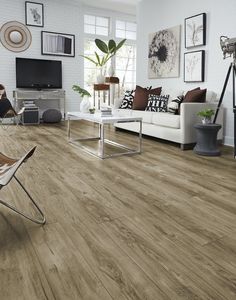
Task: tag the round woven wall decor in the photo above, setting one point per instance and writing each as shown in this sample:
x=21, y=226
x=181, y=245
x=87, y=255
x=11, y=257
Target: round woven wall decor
x=15, y=36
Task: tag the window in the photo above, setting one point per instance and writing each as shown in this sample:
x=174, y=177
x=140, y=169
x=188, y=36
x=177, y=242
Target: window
x=124, y=62
x=126, y=30
x=96, y=25
x=126, y=66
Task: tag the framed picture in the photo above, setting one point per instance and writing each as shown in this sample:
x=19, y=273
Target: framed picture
x=59, y=44
x=195, y=31
x=194, y=65
x=34, y=14
x=164, y=53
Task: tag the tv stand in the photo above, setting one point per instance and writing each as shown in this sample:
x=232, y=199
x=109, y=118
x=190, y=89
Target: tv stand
x=44, y=99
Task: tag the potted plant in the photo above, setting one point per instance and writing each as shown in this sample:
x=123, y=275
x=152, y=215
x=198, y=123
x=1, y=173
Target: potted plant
x=206, y=115
x=109, y=49
x=85, y=95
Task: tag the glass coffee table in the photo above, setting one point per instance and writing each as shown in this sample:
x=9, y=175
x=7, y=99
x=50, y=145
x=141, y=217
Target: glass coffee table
x=102, y=122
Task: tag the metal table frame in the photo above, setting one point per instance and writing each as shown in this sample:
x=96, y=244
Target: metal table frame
x=101, y=136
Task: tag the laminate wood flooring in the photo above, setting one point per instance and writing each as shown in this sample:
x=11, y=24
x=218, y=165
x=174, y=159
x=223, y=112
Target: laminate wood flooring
x=155, y=226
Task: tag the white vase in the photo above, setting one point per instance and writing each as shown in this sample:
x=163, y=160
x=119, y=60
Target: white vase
x=100, y=77
x=206, y=120
x=111, y=71
x=85, y=105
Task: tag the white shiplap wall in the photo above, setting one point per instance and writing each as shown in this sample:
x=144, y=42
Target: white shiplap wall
x=59, y=16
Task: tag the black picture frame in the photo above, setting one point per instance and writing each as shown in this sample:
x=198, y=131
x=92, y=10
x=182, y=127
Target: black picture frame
x=35, y=18
x=66, y=47
x=195, y=37
x=194, y=66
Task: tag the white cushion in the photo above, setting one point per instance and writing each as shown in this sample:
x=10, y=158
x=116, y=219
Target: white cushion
x=146, y=115
x=166, y=119
x=173, y=93
x=211, y=96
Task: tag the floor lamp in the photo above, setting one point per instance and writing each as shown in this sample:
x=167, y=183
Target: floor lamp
x=228, y=47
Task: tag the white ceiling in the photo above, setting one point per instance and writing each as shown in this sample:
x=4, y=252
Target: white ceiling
x=125, y=6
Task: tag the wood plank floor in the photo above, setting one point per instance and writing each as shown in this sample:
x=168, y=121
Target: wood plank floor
x=155, y=226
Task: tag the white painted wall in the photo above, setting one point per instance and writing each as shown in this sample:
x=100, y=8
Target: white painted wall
x=59, y=16
x=154, y=15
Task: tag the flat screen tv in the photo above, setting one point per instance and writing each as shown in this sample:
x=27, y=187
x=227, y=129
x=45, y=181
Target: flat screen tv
x=38, y=73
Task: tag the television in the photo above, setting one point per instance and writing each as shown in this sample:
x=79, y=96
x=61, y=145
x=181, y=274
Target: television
x=38, y=73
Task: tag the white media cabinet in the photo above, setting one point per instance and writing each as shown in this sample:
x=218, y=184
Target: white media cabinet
x=43, y=99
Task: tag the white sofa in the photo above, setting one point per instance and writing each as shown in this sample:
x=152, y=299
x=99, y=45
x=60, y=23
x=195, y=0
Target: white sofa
x=176, y=128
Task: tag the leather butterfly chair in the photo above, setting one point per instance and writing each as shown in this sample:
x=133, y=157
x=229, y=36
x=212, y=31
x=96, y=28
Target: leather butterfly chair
x=8, y=168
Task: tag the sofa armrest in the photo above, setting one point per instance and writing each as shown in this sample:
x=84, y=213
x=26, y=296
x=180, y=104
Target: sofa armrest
x=188, y=117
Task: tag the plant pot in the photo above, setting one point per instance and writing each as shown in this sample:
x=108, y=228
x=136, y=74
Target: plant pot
x=85, y=105
x=100, y=77
x=206, y=120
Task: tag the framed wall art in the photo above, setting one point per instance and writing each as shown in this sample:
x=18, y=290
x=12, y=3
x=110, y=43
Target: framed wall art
x=195, y=31
x=34, y=14
x=194, y=66
x=58, y=44
x=164, y=53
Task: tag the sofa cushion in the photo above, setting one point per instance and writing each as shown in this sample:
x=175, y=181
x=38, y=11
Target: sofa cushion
x=146, y=115
x=211, y=97
x=166, y=119
x=157, y=103
x=174, y=105
x=196, y=95
x=141, y=97
x=127, y=101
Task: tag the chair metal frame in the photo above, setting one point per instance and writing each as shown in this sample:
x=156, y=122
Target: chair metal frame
x=7, y=176
x=11, y=114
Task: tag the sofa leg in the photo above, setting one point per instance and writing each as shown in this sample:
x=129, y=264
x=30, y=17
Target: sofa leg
x=187, y=146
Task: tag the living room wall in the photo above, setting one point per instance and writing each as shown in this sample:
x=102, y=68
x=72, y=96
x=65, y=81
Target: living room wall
x=58, y=17
x=155, y=15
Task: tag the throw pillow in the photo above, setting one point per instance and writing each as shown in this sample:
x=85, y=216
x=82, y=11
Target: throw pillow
x=141, y=97
x=127, y=101
x=174, y=105
x=196, y=95
x=157, y=103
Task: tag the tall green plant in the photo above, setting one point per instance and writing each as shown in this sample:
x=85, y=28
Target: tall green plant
x=108, y=49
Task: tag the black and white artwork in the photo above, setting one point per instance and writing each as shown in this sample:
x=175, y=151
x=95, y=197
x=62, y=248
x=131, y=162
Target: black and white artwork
x=59, y=44
x=194, y=65
x=195, y=31
x=164, y=53
x=34, y=14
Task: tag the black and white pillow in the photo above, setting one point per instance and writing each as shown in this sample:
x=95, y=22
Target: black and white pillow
x=128, y=99
x=174, y=105
x=157, y=103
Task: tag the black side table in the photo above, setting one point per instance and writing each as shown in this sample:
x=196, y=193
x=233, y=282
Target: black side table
x=207, y=139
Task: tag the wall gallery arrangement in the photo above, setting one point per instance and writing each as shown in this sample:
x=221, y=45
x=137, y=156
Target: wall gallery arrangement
x=164, y=53
x=194, y=66
x=195, y=35
x=16, y=37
